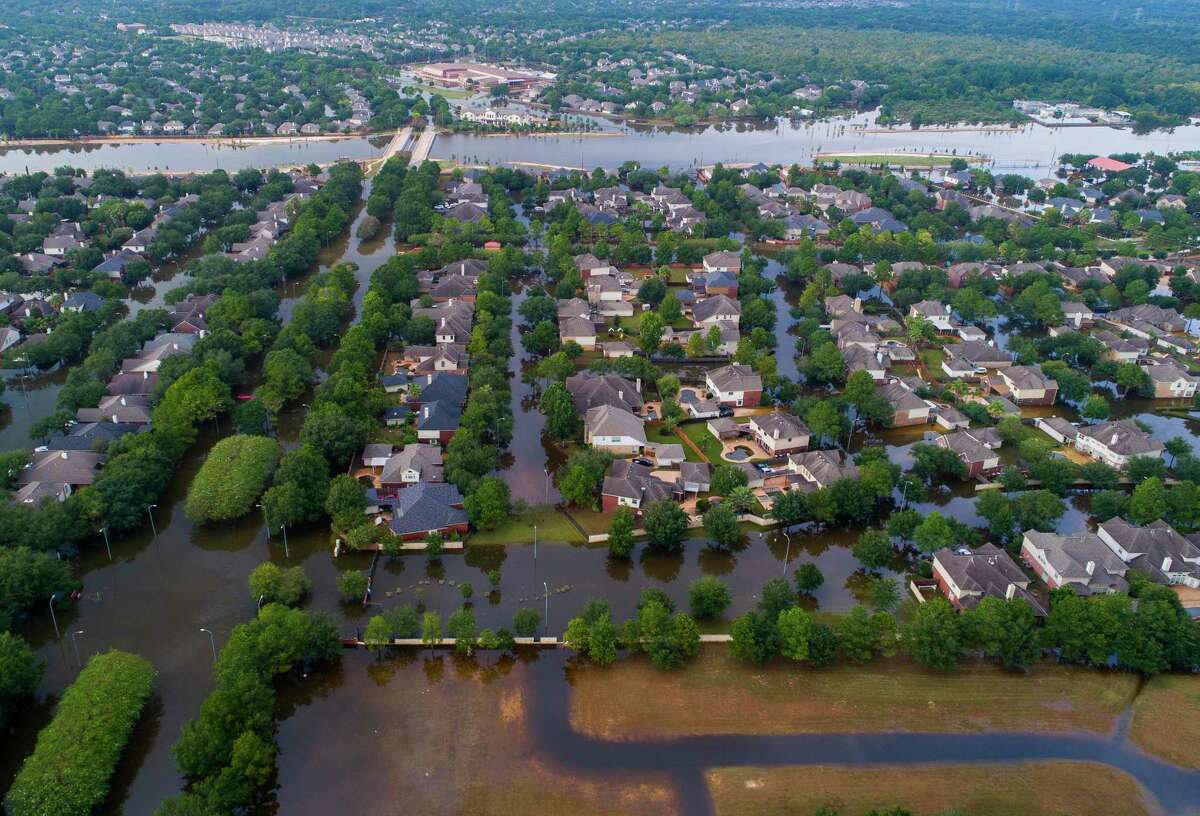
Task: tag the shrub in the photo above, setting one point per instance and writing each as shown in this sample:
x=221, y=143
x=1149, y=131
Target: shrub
x=283, y=585
x=232, y=478
x=708, y=597
x=71, y=767
x=352, y=585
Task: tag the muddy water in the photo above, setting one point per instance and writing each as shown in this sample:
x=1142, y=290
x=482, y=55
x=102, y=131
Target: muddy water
x=379, y=716
x=527, y=466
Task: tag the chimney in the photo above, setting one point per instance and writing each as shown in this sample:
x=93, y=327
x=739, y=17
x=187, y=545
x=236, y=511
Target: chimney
x=1166, y=564
x=621, y=394
x=64, y=456
x=426, y=412
x=638, y=384
x=1010, y=592
x=775, y=434
x=1091, y=567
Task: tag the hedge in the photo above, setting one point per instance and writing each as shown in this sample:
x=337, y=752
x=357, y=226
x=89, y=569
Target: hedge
x=232, y=478
x=69, y=771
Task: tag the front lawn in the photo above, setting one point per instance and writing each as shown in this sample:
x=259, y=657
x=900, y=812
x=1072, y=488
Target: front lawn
x=552, y=525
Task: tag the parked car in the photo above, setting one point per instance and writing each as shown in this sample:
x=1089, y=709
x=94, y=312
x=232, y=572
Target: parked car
x=725, y=411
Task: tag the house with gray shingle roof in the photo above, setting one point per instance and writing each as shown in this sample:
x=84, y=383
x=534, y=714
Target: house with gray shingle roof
x=1081, y=561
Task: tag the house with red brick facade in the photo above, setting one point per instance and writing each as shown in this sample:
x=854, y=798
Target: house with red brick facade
x=735, y=384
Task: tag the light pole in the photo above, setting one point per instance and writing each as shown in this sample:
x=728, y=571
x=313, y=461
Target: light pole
x=75, y=643
x=286, y=553
x=150, y=513
x=788, y=552
x=104, y=530
x=53, y=617
x=260, y=600
x=266, y=523
x=547, y=470
x=547, y=588
x=211, y=642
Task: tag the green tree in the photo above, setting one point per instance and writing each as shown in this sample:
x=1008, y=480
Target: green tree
x=352, y=585
x=934, y=533
x=378, y=634
x=795, y=628
x=808, y=577
x=726, y=478
x=526, y=622
x=666, y=525
x=489, y=504
x=933, y=635
x=1005, y=630
x=346, y=502
x=270, y=583
x=233, y=476
x=461, y=626
x=1095, y=409
x=620, y=533
x=755, y=638
x=562, y=420
x=708, y=597
x=1148, y=502
x=874, y=549
x=20, y=673
x=721, y=524
x=861, y=636
x=650, y=332
x=431, y=629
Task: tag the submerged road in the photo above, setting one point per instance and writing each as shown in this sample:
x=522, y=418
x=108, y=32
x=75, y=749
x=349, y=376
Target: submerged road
x=686, y=759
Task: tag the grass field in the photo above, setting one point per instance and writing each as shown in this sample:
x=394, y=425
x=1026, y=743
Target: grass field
x=1028, y=789
x=1166, y=719
x=551, y=523
x=656, y=432
x=698, y=432
x=720, y=695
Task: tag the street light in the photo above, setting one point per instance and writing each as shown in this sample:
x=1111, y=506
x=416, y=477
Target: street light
x=150, y=513
x=787, y=553
x=211, y=642
x=266, y=523
x=286, y=553
x=547, y=471
x=260, y=600
x=75, y=643
x=53, y=617
x=104, y=530
x=547, y=587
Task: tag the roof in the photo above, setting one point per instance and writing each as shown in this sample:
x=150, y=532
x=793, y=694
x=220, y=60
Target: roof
x=426, y=506
x=577, y=327
x=711, y=307
x=695, y=472
x=1168, y=372
x=986, y=571
x=609, y=420
x=440, y=415
x=724, y=258
x=826, y=466
x=630, y=480
x=979, y=353
x=443, y=386
x=1108, y=165
x=900, y=397
x=1122, y=437
x=70, y=467
x=1027, y=377
x=780, y=425
x=589, y=390
x=426, y=460
x=735, y=377
x=1083, y=560
x=1152, y=545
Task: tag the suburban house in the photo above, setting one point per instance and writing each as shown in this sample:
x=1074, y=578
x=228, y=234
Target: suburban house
x=589, y=390
x=603, y=289
x=976, y=447
x=873, y=362
x=820, y=468
x=907, y=407
x=935, y=312
x=56, y=474
x=376, y=454
x=1025, y=385
x=1077, y=314
x=588, y=265
x=976, y=355
x=723, y=261
x=628, y=484
x=1171, y=381
x=1081, y=561
x=440, y=387
x=1058, y=429
x=694, y=477
x=718, y=309
x=1116, y=442
x=734, y=384
x=614, y=429
x=411, y=465
x=437, y=422
x=966, y=577
x=428, y=507
x=779, y=432
x=1122, y=349
x=1147, y=320
x=133, y=409
x=1155, y=549
x=578, y=330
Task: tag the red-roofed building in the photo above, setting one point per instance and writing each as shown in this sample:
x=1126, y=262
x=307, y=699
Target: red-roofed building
x=1108, y=165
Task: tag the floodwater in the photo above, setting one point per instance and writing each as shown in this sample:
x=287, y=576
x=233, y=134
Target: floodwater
x=192, y=156
x=378, y=714
x=164, y=585
x=1028, y=149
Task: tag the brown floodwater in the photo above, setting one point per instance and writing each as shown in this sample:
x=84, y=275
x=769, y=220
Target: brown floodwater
x=348, y=735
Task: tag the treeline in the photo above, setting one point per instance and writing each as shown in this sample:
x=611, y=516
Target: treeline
x=70, y=770
x=227, y=754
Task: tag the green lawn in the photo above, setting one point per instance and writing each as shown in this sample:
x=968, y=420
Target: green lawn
x=658, y=433
x=552, y=525
x=698, y=432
